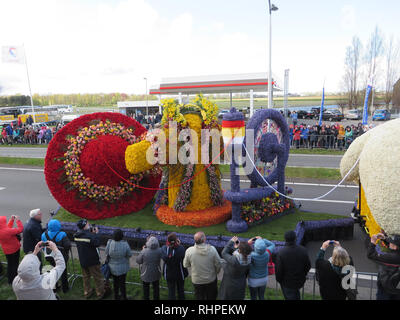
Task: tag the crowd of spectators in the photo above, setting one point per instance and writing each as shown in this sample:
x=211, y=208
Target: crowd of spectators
x=25, y=133
x=150, y=121
x=244, y=263
x=335, y=136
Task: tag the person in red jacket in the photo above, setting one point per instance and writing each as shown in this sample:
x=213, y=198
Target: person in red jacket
x=10, y=244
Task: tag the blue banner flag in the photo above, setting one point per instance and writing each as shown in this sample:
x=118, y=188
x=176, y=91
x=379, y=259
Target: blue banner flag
x=322, y=107
x=365, y=112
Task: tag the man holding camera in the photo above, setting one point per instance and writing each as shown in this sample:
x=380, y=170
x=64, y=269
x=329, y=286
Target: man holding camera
x=389, y=265
x=87, y=241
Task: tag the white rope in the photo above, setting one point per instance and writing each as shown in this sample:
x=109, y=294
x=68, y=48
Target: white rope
x=304, y=199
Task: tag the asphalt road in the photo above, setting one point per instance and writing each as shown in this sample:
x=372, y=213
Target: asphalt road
x=23, y=189
x=295, y=160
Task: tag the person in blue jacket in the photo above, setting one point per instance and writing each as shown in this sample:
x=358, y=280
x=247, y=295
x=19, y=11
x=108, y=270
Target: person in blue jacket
x=258, y=274
x=63, y=243
x=304, y=136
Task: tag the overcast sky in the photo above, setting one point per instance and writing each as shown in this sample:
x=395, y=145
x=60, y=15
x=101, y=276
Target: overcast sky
x=91, y=46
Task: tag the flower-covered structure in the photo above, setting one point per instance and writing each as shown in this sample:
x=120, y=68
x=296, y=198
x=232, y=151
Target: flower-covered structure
x=378, y=173
x=271, y=151
x=85, y=167
x=189, y=194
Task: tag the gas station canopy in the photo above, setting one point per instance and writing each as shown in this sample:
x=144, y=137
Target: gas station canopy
x=257, y=82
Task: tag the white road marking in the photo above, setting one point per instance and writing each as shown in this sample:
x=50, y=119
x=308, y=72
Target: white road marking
x=22, y=169
x=2, y=188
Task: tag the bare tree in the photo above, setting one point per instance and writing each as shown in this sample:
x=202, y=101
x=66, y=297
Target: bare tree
x=352, y=71
x=373, y=53
x=392, y=68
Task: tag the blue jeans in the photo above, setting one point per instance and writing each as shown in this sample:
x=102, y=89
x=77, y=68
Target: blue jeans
x=291, y=294
x=257, y=291
x=382, y=295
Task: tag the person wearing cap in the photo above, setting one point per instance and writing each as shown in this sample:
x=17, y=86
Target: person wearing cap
x=87, y=241
x=291, y=267
x=30, y=284
x=33, y=233
x=389, y=262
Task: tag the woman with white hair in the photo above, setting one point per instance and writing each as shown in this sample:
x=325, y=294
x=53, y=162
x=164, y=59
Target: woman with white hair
x=331, y=272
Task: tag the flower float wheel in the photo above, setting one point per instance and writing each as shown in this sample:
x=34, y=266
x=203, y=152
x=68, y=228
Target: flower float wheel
x=85, y=167
x=271, y=148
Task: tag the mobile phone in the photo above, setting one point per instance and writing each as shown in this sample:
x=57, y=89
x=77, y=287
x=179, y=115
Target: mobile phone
x=44, y=244
x=331, y=242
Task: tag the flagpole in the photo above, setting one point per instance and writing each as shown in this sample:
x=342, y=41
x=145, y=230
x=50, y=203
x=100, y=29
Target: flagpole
x=29, y=83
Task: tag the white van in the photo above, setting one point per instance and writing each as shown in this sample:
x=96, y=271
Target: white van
x=69, y=117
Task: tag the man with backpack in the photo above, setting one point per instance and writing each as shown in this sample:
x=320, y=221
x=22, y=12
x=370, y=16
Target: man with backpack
x=389, y=266
x=62, y=242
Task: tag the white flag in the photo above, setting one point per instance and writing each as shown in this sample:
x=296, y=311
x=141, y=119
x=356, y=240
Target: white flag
x=13, y=54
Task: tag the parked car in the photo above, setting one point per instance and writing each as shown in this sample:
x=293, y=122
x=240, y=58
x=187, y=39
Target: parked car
x=303, y=114
x=381, y=115
x=332, y=115
x=354, y=114
x=314, y=113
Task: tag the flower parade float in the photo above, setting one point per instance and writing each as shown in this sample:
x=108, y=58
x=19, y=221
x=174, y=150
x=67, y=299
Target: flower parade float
x=266, y=166
x=80, y=163
x=190, y=192
x=106, y=165
x=375, y=157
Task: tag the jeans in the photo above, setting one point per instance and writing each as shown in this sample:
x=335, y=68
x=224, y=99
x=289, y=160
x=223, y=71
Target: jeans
x=119, y=287
x=257, y=291
x=382, y=295
x=176, y=285
x=156, y=290
x=12, y=266
x=291, y=294
x=207, y=291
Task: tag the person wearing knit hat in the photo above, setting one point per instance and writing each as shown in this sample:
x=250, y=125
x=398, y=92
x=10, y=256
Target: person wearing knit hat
x=33, y=233
x=291, y=267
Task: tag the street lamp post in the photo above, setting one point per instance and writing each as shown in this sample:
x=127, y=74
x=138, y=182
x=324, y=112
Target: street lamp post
x=147, y=100
x=272, y=7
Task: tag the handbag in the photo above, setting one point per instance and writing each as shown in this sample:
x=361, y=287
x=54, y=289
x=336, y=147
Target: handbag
x=271, y=265
x=105, y=269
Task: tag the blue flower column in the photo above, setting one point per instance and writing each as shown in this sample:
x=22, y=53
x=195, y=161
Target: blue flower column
x=233, y=132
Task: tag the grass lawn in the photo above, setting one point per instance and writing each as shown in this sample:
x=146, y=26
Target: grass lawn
x=22, y=161
x=24, y=146
x=147, y=221
x=298, y=172
x=328, y=152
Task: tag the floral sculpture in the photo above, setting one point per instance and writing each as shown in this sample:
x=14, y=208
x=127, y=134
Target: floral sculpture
x=85, y=167
x=189, y=194
x=378, y=151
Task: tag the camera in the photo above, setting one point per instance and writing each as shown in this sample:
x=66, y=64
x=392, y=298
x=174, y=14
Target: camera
x=93, y=228
x=44, y=244
x=254, y=239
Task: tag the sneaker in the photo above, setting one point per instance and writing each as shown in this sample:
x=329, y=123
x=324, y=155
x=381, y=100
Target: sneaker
x=104, y=295
x=89, y=295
